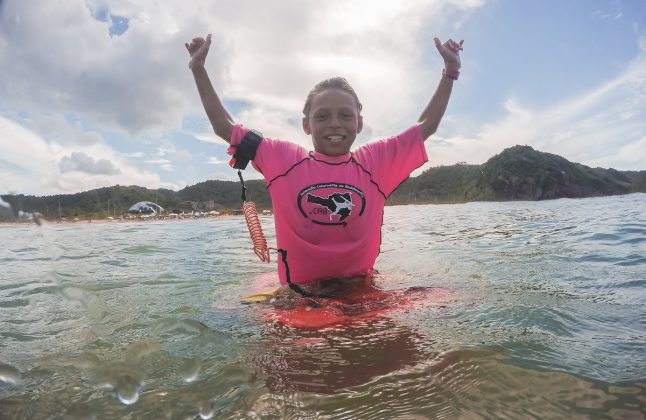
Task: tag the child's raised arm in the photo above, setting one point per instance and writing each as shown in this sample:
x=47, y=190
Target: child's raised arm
x=434, y=111
x=218, y=116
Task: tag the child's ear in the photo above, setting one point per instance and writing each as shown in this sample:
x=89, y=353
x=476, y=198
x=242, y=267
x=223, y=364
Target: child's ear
x=306, y=126
x=359, y=124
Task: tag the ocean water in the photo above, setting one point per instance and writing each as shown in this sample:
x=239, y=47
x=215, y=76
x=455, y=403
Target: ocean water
x=546, y=318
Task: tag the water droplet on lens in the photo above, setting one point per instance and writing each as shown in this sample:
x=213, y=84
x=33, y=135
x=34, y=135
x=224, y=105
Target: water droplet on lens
x=138, y=350
x=189, y=369
x=85, y=360
x=93, y=304
x=128, y=388
x=79, y=412
x=9, y=374
x=180, y=326
x=206, y=409
x=125, y=379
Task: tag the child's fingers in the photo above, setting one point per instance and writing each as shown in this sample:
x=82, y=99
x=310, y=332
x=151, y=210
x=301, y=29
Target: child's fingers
x=208, y=39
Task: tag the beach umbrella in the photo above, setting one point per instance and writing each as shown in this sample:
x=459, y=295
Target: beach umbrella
x=145, y=207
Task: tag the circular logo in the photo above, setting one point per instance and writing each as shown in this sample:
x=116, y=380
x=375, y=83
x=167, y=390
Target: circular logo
x=330, y=203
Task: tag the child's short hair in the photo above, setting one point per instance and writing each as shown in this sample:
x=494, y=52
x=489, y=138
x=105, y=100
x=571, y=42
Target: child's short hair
x=331, y=83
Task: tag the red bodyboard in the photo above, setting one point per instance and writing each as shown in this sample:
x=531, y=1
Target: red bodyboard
x=360, y=304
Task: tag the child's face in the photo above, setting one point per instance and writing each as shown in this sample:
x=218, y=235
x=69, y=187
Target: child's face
x=333, y=122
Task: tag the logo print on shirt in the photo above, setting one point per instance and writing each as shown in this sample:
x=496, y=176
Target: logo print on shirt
x=330, y=203
x=338, y=204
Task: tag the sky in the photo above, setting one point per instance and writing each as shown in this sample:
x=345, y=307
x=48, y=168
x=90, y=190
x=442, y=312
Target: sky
x=95, y=93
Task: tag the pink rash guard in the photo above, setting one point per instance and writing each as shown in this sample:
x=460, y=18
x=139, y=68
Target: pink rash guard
x=328, y=210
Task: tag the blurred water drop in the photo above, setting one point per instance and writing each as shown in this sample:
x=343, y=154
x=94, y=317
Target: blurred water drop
x=79, y=412
x=140, y=349
x=125, y=379
x=9, y=374
x=171, y=325
x=185, y=310
x=93, y=304
x=4, y=204
x=54, y=251
x=85, y=360
x=128, y=388
x=38, y=218
x=206, y=409
x=189, y=369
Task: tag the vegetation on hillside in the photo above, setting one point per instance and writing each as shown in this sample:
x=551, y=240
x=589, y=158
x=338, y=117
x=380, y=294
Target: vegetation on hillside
x=517, y=173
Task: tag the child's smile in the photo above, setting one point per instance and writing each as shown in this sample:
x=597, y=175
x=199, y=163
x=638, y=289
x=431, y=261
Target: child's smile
x=333, y=122
x=335, y=139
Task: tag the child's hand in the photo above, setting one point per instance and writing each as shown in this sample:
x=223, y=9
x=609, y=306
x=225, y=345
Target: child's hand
x=198, y=49
x=450, y=52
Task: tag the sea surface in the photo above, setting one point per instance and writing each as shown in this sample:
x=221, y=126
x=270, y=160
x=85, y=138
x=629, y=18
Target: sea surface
x=546, y=318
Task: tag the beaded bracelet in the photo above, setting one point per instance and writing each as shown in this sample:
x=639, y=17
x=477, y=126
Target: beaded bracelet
x=451, y=74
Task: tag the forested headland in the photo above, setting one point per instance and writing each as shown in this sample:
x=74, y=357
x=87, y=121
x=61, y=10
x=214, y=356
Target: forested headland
x=517, y=173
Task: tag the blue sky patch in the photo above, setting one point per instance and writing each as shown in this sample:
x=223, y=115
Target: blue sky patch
x=119, y=25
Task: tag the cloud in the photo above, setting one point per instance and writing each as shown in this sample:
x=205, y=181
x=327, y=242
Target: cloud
x=384, y=49
x=182, y=155
x=208, y=137
x=67, y=61
x=138, y=81
x=29, y=164
x=604, y=126
x=77, y=74
x=81, y=162
x=215, y=161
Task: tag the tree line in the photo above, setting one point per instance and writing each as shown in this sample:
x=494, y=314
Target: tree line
x=517, y=173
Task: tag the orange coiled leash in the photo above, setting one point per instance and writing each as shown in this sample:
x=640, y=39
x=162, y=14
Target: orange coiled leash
x=258, y=237
x=244, y=153
x=255, y=230
x=253, y=223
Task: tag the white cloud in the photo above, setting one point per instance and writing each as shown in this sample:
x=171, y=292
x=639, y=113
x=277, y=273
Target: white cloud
x=81, y=162
x=133, y=155
x=208, y=137
x=58, y=56
x=29, y=164
x=602, y=127
x=182, y=155
x=215, y=161
x=158, y=161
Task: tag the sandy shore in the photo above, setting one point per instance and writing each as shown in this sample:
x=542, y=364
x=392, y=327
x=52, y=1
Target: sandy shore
x=86, y=222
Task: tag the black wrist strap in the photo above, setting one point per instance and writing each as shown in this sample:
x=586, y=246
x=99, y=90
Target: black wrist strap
x=246, y=150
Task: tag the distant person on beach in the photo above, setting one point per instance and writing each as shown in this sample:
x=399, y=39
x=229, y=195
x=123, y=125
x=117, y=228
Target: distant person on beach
x=328, y=203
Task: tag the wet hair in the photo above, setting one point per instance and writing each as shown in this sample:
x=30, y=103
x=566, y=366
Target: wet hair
x=332, y=83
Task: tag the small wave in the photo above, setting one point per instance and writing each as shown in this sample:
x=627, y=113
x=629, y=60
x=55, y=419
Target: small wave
x=630, y=284
x=602, y=237
x=15, y=303
x=634, y=241
x=115, y=263
x=631, y=260
x=146, y=250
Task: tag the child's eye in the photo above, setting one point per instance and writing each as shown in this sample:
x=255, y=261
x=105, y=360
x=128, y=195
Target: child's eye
x=319, y=117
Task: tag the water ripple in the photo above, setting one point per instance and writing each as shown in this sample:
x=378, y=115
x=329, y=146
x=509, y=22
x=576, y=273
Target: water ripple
x=544, y=319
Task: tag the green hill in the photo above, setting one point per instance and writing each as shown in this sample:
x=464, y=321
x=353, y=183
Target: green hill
x=517, y=173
